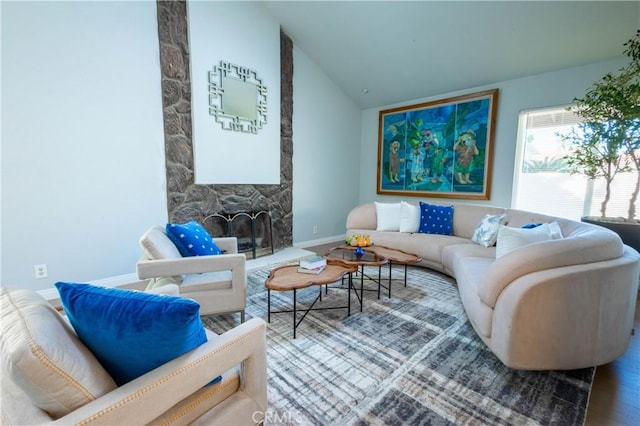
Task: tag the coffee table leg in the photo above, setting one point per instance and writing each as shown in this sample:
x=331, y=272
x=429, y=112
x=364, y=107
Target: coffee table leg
x=390, y=262
x=268, y=305
x=405, y=274
x=294, y=313
x=349, y=296
x=362, y=288
x=320, y=293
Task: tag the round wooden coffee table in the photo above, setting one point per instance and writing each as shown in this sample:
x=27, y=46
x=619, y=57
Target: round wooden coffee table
x=374, y=255
x=287, y=278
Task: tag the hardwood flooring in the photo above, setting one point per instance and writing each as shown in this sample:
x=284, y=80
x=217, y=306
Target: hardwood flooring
x=615, y=397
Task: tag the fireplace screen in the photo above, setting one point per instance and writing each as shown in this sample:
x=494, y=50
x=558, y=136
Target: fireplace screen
x=252, y=229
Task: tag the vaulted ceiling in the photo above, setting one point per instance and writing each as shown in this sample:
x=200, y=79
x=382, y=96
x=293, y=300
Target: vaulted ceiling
x=384, y=52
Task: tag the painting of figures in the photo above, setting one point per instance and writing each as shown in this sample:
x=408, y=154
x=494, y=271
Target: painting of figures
x=438, y=149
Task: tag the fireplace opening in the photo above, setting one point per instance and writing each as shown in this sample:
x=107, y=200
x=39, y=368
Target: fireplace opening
x=253, y=230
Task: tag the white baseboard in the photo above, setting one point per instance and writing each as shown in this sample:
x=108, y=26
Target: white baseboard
x=319, y=241
x=125, y=281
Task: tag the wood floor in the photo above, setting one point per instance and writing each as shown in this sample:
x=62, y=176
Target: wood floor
x=615, y=397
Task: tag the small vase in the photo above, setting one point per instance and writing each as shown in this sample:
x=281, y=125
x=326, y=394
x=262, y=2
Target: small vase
x=359, y=251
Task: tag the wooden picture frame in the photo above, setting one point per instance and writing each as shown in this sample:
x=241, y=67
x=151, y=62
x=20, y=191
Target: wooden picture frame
x=441, y=148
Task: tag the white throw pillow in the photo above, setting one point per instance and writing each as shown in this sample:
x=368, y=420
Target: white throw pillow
x=486, y=232
x=409, y=217
x=388, y=216
x=510, y=238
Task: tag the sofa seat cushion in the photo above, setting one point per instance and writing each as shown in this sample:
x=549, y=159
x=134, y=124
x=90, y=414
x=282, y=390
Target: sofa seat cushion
x=44, y=357
x=469, y=271
x=207, y=281
x=451, y=252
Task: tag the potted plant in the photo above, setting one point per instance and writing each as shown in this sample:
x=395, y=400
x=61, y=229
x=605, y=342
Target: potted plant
x=607, y=141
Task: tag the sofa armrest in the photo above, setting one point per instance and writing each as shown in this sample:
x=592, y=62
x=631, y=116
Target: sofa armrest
x=586, y=247
x=147, y=397
x=148, y=268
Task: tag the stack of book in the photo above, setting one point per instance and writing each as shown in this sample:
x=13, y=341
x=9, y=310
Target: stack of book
x=312, y=264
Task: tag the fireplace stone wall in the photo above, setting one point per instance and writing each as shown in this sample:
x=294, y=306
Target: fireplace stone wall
x=187, y=200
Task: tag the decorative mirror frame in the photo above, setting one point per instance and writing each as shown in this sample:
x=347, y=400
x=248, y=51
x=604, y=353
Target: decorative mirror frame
x=216, y=93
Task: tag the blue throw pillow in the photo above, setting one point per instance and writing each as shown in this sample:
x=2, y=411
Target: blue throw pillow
x=191, y=239
x=436, y=219
x=530, y=225
x=131, y=332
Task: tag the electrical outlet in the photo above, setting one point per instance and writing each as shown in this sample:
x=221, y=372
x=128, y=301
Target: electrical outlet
x=40, y=271
x=315, y=229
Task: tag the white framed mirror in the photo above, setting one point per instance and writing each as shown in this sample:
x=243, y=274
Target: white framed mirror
x=237, y=98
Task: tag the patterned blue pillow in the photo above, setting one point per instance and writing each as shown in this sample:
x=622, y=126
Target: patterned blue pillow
x=436, y=219
x=131, y=332
x=191, y=239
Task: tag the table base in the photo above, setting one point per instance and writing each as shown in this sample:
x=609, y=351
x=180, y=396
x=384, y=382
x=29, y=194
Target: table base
x=295, y=310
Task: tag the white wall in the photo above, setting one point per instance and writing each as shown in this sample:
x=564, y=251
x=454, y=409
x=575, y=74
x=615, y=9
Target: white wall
x=82, y=138
x=542, y=90
x=220, y=31
x=326, y=135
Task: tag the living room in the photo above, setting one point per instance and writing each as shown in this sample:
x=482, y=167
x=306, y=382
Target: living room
x=83, y=158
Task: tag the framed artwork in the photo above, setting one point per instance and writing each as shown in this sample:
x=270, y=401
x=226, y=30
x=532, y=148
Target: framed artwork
x=441, y=148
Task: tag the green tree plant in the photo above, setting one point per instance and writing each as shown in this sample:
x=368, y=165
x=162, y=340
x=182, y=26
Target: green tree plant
x=607, y=142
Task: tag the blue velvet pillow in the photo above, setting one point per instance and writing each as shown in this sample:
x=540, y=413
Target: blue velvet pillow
x=191, y=239
x=131, y=332
x=436, y=219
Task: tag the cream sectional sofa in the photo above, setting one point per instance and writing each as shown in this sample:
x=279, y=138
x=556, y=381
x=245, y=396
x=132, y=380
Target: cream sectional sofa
x=552, y=305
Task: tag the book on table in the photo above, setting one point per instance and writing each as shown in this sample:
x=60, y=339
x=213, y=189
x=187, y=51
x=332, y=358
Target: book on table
x=314, y=271
x=313, y=262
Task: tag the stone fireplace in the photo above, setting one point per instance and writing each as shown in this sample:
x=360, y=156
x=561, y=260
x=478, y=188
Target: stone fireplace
x=187, y=200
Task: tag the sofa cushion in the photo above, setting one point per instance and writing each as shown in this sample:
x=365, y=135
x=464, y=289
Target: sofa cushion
x=191, y=239
x=388, y=216
x=469, y=272
x=451, y=253
x=435, y=219
x=44, y=357
x=409, y=217
x=486, y=232
x=131, y=332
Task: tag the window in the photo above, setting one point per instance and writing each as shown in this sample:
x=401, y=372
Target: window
x=542, y=182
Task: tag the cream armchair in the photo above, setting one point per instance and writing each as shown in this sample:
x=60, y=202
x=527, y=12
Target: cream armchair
x=218, y=283
x=38, y=341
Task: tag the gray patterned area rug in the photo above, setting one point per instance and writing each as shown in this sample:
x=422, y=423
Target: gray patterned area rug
x=410, y=359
